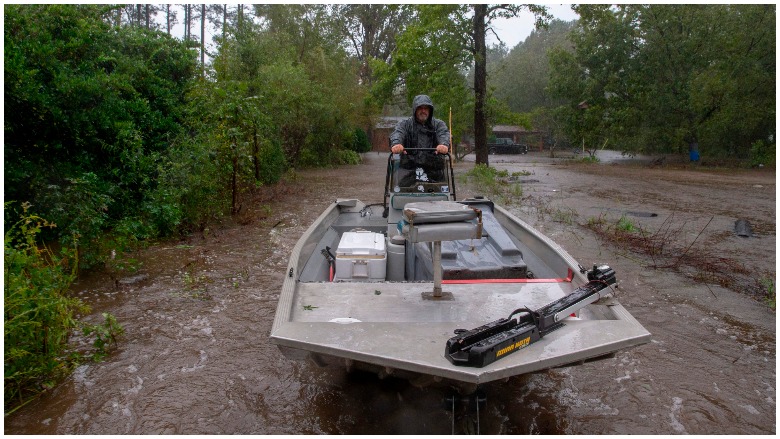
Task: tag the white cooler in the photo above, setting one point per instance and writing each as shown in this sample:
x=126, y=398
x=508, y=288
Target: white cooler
x=361, y=256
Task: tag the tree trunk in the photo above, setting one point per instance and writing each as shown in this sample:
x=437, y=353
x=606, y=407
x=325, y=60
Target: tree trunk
x=480, y=85
x=256, y=155
x=234, y=186
x=187, y=21
x=203, y=40
x=168, y=18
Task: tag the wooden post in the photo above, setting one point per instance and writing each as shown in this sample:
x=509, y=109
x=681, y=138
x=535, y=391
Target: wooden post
x=452, y=146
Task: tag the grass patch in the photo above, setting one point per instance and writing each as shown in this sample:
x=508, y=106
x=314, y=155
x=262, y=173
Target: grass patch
x=766, y=287
x=588, y=159
x=495, y=184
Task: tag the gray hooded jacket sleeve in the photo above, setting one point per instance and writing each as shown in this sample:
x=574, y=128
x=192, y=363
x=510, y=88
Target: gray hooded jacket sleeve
x=412, y=134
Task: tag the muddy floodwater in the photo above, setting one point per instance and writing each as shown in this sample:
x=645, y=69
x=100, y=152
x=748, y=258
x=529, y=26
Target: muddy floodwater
x=196, y=358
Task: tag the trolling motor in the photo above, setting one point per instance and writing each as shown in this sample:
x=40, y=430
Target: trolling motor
x=495, y=340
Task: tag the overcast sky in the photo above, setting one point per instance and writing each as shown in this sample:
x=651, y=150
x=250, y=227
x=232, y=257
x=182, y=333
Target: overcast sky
x=515, y=30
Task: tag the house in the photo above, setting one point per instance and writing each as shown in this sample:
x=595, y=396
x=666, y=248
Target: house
x=380, y=134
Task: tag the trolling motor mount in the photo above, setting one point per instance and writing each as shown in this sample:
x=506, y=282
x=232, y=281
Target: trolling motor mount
x=481, y=346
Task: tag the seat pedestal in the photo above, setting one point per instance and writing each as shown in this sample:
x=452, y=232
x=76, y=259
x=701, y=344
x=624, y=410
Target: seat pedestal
x=436, y=222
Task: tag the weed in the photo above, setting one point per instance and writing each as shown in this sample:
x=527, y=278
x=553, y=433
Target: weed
x=105, y=334
x=291, y=176
x=195, y=282
x=565, y=215
x=495, y=183
x=626, y=225
x=596, y=222
x=665, y=252
x=767, y=287
x=588, y=159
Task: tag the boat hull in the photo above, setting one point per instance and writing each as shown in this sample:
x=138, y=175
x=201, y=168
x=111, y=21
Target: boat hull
x=395, y=328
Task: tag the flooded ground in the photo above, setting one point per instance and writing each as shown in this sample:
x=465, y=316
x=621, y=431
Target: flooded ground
x=196, y=358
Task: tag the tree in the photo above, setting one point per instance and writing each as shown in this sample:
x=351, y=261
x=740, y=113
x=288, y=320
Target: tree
x=90, y=109
x=521, y=77
x=670, y=77
x=170, y=18
x=444, y=42
x=370, y=32
x=293, y=59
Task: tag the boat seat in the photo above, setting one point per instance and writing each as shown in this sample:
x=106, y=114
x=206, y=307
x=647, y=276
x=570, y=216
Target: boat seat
x=400, y=200
x=437, y=221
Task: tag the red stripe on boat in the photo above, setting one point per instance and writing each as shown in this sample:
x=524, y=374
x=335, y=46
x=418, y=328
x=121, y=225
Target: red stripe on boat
x=509, y=281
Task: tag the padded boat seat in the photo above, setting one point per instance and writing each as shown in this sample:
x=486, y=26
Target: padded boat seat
x=442, y=232
x=399, y=201
x=434, y=221
x=438, y=212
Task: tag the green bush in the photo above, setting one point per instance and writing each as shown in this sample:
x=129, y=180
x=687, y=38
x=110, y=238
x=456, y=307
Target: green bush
x=360, y=141
x=762, y=153
x=345, y=157
x=38, y=314
x=272, y=162
x=192, y=187
x=90, y=111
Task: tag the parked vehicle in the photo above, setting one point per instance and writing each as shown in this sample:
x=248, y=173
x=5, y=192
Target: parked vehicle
x=506, y=146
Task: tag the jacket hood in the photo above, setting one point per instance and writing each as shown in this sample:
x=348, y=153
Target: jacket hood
x=420, y=100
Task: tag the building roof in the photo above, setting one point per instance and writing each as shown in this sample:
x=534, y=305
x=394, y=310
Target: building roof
x=388, y=121
x=508, y=129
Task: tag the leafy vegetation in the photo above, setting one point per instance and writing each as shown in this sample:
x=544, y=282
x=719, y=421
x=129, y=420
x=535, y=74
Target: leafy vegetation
x=767, y=284
x=120, y=134
x=669, y=78
x=116, y=133
x=38, y=314
x=434, y=51
x=496, y=184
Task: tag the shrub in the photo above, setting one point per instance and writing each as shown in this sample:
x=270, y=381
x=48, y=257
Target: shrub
x=272, y=162
x=346, y=157
x=38, y=314
x=360, y=142
x=762, y=153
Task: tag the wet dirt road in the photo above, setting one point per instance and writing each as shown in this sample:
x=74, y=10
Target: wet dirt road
x=196, y=357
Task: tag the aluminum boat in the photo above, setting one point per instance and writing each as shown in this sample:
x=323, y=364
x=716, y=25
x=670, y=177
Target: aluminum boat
x=440, y=291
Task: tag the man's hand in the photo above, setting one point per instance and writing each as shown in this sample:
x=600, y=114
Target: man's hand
x=397, y=148
x=442, y=149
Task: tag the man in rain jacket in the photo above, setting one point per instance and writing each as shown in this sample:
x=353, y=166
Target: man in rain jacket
x=427, y=133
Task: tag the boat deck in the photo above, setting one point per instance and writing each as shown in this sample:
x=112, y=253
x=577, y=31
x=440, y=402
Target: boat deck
x=397, y=328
